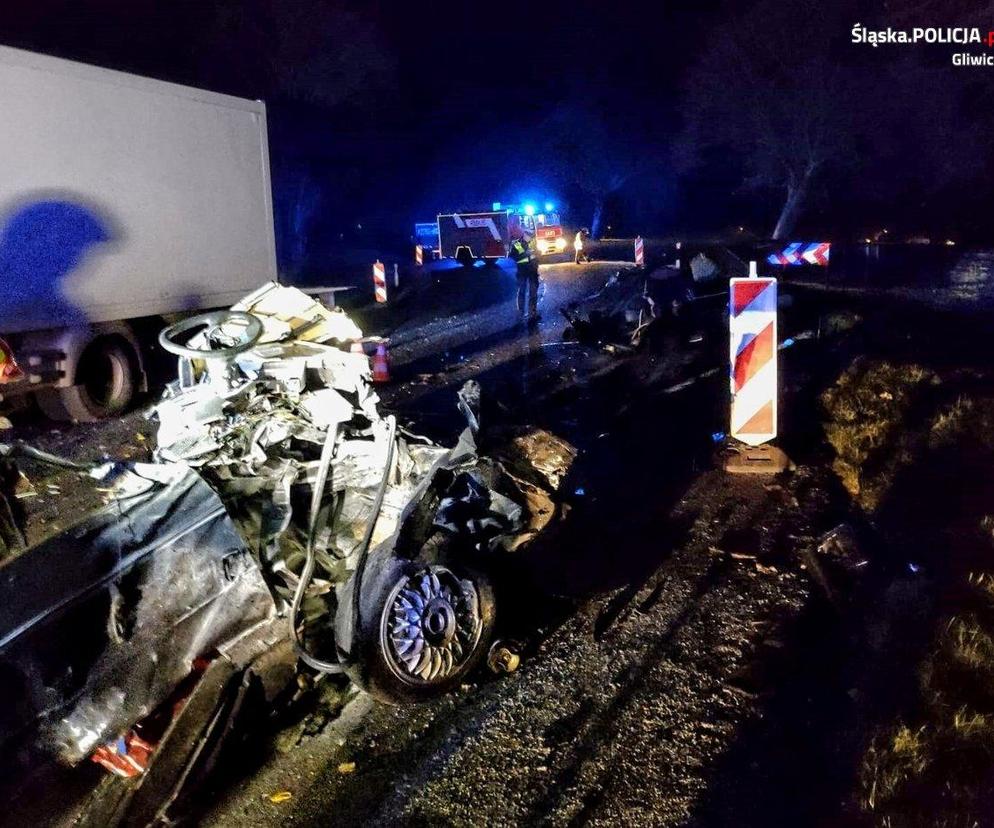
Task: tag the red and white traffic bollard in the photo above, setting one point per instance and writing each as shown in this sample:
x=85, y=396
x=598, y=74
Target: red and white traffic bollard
x=639, y=252
x=380, y=281
x=419, y=255
x=752, y=322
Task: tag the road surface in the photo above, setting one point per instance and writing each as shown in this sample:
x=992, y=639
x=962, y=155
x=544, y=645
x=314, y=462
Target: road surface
x=653, y=627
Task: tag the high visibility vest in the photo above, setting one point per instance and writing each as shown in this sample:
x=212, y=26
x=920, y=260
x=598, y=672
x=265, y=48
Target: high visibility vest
x=578, y=242
x=520, y=251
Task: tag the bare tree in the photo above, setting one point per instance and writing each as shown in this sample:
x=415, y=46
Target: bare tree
x=767, y=90
x=783, y=90
x=585, y=154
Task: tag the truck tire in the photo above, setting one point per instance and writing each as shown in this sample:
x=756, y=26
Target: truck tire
x=106, y=384
x=423, y=628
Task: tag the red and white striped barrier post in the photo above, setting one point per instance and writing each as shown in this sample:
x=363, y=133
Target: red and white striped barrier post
x=419, y=255
x=639, y=252
x=379, y=281
x=752, y=323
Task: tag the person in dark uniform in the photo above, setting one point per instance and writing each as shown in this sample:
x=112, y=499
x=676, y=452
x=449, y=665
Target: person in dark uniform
x=523, y=254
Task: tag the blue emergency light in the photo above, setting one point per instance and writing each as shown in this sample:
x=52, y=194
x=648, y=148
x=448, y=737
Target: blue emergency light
x=529, y=209
x=549, y=206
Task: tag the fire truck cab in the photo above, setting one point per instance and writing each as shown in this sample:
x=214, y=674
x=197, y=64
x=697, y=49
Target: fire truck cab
x=544, y=225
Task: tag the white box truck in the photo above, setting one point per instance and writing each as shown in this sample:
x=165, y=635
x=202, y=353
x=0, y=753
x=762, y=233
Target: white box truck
x=122, y=200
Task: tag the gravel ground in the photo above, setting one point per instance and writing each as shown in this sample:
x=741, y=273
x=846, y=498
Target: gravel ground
x=612, y=724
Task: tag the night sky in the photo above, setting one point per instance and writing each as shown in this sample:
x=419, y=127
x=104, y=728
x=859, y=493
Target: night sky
x=440, y=105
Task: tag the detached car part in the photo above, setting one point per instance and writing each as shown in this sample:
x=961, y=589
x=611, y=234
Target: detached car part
x=101, y=623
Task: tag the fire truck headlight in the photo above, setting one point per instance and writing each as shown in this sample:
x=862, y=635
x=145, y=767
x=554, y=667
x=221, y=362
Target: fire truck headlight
x=560, y=244
x=543, y=246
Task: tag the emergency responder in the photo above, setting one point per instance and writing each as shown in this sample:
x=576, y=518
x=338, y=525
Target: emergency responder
x=578, y=255
x=523, y=253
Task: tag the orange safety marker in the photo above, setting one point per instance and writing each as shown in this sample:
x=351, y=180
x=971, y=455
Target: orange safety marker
x=379, y=281
x=381, y=368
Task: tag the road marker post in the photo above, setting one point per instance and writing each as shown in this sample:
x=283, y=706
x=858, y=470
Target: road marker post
x=396, y=276
x=639, y=252
x=801, y=253
x=379, y=281
x=419, y=255
x=752, y=328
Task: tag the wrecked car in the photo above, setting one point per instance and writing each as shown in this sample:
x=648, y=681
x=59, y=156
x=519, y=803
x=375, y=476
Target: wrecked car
x=682, y=302
x=285, y=526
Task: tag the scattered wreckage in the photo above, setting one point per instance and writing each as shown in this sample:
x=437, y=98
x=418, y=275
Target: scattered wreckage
x=634, y=306
x=284, y=522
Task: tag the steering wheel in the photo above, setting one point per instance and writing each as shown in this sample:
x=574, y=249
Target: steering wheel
x=212, y=321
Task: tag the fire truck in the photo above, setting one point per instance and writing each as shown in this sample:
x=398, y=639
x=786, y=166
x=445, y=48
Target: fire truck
x=544, y=226
x=487, y=235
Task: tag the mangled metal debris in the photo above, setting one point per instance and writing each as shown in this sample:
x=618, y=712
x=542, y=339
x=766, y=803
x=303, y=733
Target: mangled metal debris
x=283, y=516
x=617, y=315
x=282, y=421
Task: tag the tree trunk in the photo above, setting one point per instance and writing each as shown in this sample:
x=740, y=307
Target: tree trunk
x=796, y=197
x=595, y=222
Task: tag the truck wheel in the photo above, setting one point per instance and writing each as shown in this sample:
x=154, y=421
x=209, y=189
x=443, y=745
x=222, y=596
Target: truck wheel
x=423, y=628
x=106, y=374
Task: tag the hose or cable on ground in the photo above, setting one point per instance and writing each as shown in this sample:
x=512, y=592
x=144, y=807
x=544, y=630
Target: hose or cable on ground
x=307, y=573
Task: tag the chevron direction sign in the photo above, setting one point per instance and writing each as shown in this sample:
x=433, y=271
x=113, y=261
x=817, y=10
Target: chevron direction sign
x=752, y=321
x=800, y=253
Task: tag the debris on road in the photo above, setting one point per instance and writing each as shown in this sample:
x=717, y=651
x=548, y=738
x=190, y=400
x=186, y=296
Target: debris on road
x=617, y=314
x=504, y=657
x=839, y=546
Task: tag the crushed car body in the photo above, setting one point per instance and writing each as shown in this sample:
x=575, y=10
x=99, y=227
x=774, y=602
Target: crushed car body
x=282, y=512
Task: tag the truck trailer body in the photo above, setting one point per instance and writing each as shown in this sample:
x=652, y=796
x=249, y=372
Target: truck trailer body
x=121, y=198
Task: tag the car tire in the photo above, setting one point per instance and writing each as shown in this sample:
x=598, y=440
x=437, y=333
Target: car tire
x=423, y=627
x=107, y=368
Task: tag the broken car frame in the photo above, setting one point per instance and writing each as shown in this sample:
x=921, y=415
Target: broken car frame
x=283, y=518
